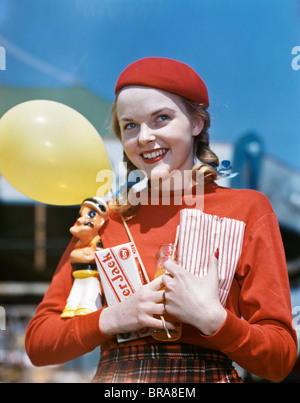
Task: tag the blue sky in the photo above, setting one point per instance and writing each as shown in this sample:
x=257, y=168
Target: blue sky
x=241, y=48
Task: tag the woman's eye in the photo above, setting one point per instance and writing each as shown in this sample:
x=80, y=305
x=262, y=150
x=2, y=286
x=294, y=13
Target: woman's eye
x=129, y=126
x=162, y=118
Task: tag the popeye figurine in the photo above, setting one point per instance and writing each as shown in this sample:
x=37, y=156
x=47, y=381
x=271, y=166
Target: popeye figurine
x=85, y=295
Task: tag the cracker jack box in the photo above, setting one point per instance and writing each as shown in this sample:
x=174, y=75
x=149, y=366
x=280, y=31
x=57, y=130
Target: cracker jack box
x=120, y=277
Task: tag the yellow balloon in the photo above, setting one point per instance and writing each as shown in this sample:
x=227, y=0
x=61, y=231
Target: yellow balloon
x=52, y=154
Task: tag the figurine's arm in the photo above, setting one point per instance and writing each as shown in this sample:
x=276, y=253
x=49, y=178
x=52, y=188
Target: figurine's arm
x=86, y=254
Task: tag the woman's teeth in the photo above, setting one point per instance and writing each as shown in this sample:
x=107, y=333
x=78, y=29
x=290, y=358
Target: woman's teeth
x=154, y=154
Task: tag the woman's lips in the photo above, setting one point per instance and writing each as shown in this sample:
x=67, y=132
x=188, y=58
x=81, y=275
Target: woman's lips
x=150, y=157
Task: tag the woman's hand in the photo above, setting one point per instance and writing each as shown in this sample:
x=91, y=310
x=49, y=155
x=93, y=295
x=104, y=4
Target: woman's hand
x=136, y=312
x=194, y=300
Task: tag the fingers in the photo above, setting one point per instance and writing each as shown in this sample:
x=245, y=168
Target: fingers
x=158, y=324
x=159, y=296
x=155, y=284
x=166, y=278
x=213, y=264
x=171, y=267
x=158, y=309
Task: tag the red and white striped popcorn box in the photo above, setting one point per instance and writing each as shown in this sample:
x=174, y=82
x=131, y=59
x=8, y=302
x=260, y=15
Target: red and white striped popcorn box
x=120, y=277
x=200, y=235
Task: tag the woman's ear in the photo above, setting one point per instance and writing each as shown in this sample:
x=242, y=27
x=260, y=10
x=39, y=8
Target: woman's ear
x=197, y=125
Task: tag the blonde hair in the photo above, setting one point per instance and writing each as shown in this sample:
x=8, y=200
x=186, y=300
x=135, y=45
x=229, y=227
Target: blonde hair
x=207, y=159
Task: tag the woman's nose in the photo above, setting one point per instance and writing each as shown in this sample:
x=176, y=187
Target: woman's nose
x=146, y=135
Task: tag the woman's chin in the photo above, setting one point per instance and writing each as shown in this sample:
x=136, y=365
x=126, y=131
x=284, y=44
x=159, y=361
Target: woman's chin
x=159, y=174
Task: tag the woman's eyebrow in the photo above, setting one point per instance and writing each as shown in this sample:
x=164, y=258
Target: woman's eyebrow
x=166, y=109
x=156, y=112
x=125, y=119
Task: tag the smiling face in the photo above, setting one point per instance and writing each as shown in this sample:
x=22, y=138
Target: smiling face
x=157, y=132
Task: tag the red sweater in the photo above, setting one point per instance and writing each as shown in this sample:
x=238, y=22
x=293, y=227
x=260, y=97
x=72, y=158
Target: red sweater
x=257, y=334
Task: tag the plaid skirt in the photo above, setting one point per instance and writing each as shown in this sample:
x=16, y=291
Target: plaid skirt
x=165, y=363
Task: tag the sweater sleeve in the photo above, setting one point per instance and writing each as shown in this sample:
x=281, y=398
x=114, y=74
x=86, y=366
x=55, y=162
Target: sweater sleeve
x=52, y=340
x=263, y=340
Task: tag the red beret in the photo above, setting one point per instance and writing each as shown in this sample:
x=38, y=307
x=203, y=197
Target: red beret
x=167, y=75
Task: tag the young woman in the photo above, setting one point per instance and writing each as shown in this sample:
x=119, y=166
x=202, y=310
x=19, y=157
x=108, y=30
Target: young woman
x=160, y=114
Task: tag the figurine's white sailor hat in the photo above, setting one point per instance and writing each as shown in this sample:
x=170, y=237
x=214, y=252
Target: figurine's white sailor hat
x=98, y=204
